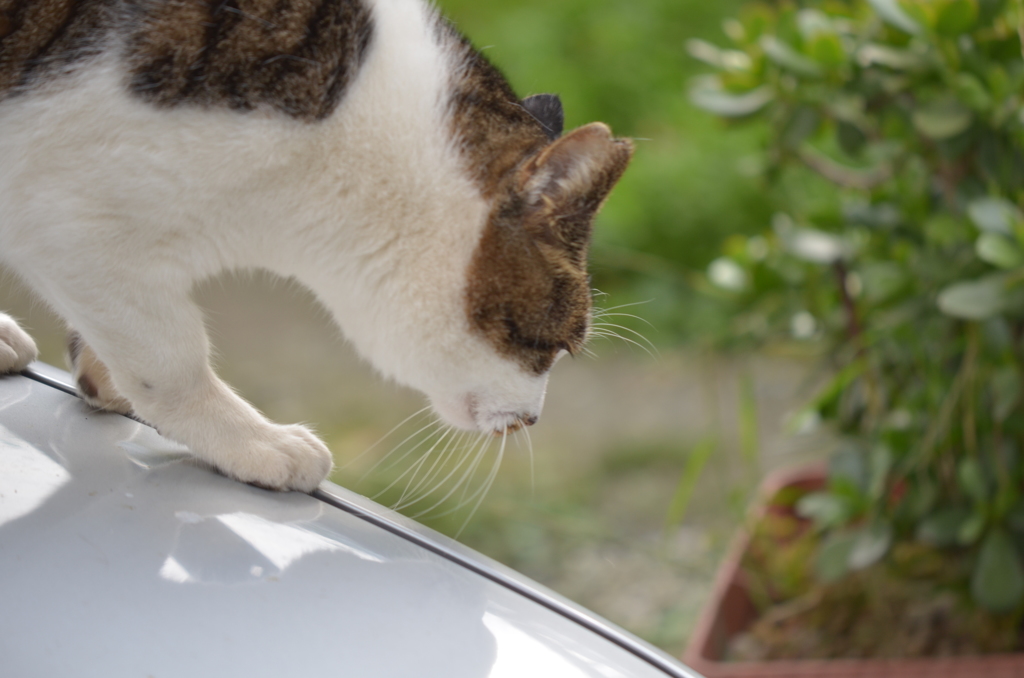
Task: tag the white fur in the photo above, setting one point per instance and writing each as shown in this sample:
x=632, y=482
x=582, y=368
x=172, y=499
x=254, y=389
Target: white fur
x=17, y=349
x=112, y=209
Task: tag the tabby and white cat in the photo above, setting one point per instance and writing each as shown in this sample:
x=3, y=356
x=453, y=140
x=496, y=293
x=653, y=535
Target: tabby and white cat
x=362, y=147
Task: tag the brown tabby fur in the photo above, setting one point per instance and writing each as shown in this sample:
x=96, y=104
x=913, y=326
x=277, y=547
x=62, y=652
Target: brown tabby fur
x=37, y=37
x=528, y=292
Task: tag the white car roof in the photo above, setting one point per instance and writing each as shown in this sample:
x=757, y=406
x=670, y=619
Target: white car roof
x=120, y=556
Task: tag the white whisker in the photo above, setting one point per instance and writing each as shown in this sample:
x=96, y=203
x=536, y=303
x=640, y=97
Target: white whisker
x=415, y=466
x=481, y=445
x=412, y=485
x=605, y=314
x=529, y=449
x=385, y=436
x=412, y=469
x=604, y=330
x=615, y=308
x=627, y=329
x=437, y=467
x=396, y=448
x=416, y=495
x=472, y=471
x=486, y=487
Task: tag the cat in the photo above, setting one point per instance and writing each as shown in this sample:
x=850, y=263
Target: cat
x=361, y=147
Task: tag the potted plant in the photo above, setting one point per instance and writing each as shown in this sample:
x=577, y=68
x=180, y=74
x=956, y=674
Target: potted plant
x=895, y=139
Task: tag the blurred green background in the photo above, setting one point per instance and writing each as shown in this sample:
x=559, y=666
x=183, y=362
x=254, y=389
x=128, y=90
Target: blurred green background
x=642, y=463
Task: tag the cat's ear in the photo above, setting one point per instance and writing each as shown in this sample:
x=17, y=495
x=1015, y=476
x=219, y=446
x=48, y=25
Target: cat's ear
x=582, y=165
x=547, y=109
x=566, y=183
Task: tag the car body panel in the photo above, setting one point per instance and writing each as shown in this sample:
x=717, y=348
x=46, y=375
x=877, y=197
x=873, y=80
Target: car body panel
x=121, y=556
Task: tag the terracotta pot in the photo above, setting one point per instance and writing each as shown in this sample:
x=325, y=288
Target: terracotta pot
x=730, y=611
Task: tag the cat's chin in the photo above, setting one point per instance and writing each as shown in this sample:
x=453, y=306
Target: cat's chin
x=469, y=412
x=455, y=412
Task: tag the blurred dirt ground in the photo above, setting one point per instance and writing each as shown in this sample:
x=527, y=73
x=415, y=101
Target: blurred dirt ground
x=594, y=521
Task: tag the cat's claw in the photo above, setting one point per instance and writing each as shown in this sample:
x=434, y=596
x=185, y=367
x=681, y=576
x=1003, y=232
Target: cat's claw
x=283, y=458
x=17, y=349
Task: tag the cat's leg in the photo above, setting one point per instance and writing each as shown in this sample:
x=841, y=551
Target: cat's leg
x=155, y=346
x=92, y=377
x=17, y=349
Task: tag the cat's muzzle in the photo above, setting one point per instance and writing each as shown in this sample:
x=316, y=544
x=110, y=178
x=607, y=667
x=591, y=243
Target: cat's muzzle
x=517, y=422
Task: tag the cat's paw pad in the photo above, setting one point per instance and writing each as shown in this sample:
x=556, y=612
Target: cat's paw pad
x=92, y=377
x=284, y=458
x=17, y=349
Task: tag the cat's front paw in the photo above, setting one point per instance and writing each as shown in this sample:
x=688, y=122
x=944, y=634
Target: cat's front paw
x=281, y=458
x=17, y=349
x=93, y=378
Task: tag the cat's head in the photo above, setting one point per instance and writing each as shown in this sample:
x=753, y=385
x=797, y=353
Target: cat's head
x=527, y=292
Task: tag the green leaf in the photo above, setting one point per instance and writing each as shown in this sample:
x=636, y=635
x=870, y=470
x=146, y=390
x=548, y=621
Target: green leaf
x=1015, y=516
x=976, y=299
x=1005, y=391
x=786, y=57
x=725, y=59
x=813, y=22
x=942, y=527
x=848, y=463
x=942, y=119
x=972, y=92
x=971, y=478
x=998, y=250
x=692, y=471
x=881, y=463
x=882, y=280
x=892, y=14
x=997, y=582
x=850, y=137
x=870, y=544
x=725, y=273
x=946, y=230
x=972, y=528
x=956, y=17
x=996, y=215
x=922, y=498
x=802, y=124
x=707, y=93
x=824, y=509
x=834, y=556
x=827, y=49
x=891, y=57
x=1006, y=497
x=816, y=246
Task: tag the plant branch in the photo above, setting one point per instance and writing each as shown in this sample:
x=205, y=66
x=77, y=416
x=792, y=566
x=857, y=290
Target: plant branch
x=853, y=328
x=841, y=175
x=855, y=334
x=970, y=404
x=940, y=423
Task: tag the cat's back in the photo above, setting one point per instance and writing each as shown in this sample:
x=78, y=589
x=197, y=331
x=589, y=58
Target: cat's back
x=295, y=56
x=39, y=38
x=204, y=114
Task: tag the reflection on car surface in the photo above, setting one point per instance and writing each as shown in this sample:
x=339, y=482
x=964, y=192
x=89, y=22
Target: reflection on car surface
x=120, y=556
